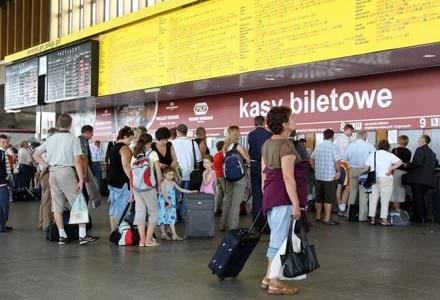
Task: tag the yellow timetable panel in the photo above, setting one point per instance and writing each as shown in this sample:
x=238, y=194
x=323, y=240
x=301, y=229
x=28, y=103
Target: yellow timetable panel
x=225, y=37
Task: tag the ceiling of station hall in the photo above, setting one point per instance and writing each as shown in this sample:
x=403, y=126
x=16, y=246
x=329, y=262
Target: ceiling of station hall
x=425, y=56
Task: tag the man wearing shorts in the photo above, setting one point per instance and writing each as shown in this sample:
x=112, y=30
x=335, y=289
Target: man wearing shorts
x=326, y=160
x=66, y=177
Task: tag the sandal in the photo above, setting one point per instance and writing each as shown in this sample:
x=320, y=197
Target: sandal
x=153, y=244
x=165, y=236
x=384, y=223
x=176, y=238
x=265, y=283
x=281, y=289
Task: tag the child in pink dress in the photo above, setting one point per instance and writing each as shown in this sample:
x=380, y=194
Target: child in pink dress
x=208, y=183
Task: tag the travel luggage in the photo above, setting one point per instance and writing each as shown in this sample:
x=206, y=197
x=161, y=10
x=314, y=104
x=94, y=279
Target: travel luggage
x=200, y=215
x=72, y=230
x=233, y=165
x=398, y=217
x=23, y=194
x=126, y=234
x=436, y=206
x=353, y=213
x=234, y=250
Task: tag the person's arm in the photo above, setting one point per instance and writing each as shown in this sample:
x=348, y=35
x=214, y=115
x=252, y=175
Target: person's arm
x=288, y=170
x=417, y=160
x=126, y=154
x=337, y=169
x=312, y=163
x=164, y=194
x=182, y=190
x=243, y=152
x=40, y=160
x=79, y=172
x=158, y=170
x=203, y=148
x=263, y=176
x=393, y=167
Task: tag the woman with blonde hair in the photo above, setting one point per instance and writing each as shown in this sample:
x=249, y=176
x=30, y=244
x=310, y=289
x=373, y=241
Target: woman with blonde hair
x=234, y=190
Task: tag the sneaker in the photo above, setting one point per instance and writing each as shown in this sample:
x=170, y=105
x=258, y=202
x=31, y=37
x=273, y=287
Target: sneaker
x=62, y=241
x=87, y=239
x=342, y=214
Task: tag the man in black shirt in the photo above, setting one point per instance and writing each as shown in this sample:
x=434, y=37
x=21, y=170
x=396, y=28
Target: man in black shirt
x=256, y=139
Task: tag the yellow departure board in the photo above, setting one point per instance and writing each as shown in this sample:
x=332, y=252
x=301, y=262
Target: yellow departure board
x=225, y=37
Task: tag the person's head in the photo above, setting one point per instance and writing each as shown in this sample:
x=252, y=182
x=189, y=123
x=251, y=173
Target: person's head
x=24, y=144
x=168, y=173
x=348, y=129
x=362, y=135
x=143, y=142
x=98, y=143
x=259, y=121
x=424, y=139
x=137, y=132
x=201, y=133
x=51, y=131
x=173, y=133
x=280, y=120
x=302, y=141
x=383, y=145
x=3, y=141
x=182, y=130
x=208, y=160
x=87, y=131
x=232, y=134
x=402, y=140
x=162, y=135
x=219, y=145
x=125, y=135
x=64, y=121
x=329, y=134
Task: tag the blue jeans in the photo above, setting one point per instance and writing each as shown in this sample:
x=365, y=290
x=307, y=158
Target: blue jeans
x=97, y=172
x=181, y=205
x=279, y=221
x=4, y=206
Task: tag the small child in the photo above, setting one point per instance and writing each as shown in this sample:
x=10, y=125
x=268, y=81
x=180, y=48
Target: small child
x=220, y=187
x=167, y=204
x=209, y=177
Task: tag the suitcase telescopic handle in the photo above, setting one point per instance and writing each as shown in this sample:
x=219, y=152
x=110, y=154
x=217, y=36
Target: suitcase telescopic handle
x=251, y=229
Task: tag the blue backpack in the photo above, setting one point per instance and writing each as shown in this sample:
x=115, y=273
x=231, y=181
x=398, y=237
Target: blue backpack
x=233, y=165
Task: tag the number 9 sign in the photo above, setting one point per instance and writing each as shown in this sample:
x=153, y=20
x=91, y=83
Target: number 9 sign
x=422, y=122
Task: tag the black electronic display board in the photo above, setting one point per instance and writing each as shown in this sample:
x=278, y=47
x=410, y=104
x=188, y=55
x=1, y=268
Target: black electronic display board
x=72, y=73
x=21, y=84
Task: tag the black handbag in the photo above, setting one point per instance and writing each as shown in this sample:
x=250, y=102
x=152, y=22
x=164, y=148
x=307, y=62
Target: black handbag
x=371, y=178
x=196, y=176
x=296, y=264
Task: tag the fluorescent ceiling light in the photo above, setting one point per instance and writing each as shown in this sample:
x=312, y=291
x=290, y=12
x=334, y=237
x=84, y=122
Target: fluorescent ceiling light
x=430, y=55
x=153, y=90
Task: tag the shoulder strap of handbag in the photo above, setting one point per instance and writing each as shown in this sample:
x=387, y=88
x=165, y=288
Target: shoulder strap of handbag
x=289, y=246
x=194, y=156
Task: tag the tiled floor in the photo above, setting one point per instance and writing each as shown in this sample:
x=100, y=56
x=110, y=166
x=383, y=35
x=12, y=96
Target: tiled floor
x=358, y=261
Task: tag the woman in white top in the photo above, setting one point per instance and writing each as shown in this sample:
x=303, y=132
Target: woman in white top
x=384, y=163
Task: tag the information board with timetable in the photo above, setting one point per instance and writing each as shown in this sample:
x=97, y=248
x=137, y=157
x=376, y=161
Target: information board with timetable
x=72, y=72
x=21, y=84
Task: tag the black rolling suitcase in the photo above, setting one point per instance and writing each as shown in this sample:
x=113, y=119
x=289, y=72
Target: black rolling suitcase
x=200, y=217
x=233, y=252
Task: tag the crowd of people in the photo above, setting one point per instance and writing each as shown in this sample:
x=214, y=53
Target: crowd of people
x=280, y=169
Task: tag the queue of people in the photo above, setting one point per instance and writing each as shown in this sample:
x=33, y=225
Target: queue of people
x=278, y=168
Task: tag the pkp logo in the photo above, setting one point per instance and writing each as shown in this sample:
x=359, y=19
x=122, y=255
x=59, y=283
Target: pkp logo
x=201, y=108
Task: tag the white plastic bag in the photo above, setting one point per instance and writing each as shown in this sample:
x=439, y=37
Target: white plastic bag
x=79, y=213
x=276, y=269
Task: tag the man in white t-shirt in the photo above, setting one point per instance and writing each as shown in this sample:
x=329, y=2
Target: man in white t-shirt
x=344, y=139
x=186, y=149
